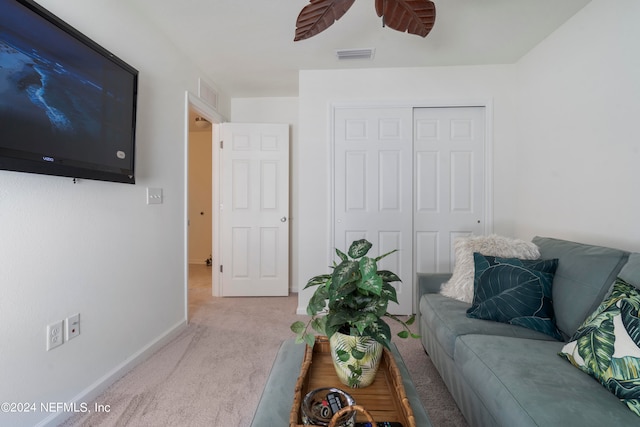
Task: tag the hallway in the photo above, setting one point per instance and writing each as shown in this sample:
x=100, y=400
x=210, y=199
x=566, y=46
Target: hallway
x=200, y=290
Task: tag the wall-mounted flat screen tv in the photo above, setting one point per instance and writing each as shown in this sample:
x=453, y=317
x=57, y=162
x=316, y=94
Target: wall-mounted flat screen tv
x=67, y=105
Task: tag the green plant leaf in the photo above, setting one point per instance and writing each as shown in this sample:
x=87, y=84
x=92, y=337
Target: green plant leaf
x=363, y=321
x=359, y=248
x=364, y=302
x=343, y=355
x=298, y=327
x=371, y=284
x=318, y=324
x=346, y=272
x=342, y=255
x=370, y=281
x=318, y=280
x=368, y=267
x=318, y=301
x=384, y=255
x=310, y=340
x=381, y=309
x=344, y=294
x=380, y=332
x=388, y=276
x=389, y=293
x=336, y=320
x=410, y=320
x=403, y=334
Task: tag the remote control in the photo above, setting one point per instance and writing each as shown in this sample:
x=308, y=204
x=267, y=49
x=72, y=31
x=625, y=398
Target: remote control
x=380, y=424
x=334, y=402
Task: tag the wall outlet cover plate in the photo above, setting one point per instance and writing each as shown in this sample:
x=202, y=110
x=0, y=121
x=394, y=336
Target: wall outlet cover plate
x=73, y=326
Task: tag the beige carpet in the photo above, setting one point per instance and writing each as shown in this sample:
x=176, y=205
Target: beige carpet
x=213, y=373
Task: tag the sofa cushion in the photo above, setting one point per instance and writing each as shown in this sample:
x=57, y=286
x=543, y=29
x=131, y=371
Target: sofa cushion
x=460, y=285
x=523, y=382
x=584, y=275
x=446, y=318
x=606, y=345
x=630, y=273
x=515, y=291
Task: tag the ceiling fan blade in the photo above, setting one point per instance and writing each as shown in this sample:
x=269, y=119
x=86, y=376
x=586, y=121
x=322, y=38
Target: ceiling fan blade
x=319, y=15
x=413, y=16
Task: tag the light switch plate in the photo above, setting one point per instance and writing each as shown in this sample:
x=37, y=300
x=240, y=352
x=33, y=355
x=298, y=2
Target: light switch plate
x=154, y=196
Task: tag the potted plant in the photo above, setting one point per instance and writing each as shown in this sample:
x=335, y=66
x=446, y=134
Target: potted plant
x=348, y=307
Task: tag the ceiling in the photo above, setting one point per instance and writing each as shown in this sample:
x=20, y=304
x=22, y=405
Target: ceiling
x=246, y=47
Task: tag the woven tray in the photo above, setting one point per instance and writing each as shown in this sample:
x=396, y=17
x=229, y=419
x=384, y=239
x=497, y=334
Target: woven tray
x=385, y=399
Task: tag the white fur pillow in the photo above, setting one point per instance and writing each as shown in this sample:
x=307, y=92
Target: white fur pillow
x=460, y=286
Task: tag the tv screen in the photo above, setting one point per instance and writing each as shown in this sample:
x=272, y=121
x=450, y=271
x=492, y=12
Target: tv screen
x=67, y=105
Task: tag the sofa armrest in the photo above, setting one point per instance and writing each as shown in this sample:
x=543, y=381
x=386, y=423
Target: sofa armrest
x=430, y=283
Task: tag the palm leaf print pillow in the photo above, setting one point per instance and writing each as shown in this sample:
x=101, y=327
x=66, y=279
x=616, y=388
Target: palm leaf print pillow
x=607, y=345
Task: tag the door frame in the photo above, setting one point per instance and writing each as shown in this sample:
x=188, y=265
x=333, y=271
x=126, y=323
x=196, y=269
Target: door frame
x=194, y=102
x=487, y=104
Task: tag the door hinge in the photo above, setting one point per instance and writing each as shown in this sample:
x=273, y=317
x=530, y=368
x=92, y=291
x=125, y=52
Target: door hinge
x=220, y=268
x=221, y=144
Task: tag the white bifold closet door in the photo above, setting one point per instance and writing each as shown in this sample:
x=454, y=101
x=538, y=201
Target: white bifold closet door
x=410, y=179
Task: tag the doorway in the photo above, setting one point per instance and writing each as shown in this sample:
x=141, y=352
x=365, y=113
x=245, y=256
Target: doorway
x=200, y=218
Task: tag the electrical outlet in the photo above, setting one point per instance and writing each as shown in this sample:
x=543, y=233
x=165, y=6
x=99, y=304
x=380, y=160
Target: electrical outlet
x=73, y=326
x=54, y=335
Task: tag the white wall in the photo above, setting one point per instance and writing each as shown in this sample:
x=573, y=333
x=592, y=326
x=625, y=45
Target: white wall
x=579, y=145
x=278, y=110
x=96, y=248
x=494, y=85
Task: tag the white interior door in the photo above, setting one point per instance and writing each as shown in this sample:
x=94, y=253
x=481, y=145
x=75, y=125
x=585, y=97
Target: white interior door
x=449, y=164
x=373, y=189
x=254, y=209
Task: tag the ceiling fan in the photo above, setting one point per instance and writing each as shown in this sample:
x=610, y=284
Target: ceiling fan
x=413, y=16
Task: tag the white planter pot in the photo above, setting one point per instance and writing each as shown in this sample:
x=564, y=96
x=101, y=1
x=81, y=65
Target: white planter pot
x=358, y=371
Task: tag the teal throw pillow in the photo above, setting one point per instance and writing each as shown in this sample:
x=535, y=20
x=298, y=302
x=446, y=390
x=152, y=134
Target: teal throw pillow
x=607, y=345
x=515, y=291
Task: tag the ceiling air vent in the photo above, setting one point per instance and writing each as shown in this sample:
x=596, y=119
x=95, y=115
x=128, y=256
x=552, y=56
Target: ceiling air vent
x=344, y=54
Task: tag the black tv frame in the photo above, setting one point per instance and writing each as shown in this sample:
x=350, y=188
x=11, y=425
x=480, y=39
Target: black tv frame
x=40, y=163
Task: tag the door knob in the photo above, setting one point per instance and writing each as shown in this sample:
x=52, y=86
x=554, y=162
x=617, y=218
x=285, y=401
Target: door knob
x=283, y=219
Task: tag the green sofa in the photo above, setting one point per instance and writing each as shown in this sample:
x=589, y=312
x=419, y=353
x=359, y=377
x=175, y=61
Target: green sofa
x=507, y=375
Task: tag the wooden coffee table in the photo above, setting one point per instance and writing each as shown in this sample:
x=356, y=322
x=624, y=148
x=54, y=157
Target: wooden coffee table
x=275, y=407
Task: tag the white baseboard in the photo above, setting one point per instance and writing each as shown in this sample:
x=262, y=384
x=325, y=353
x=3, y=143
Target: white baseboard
x=100, y=386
